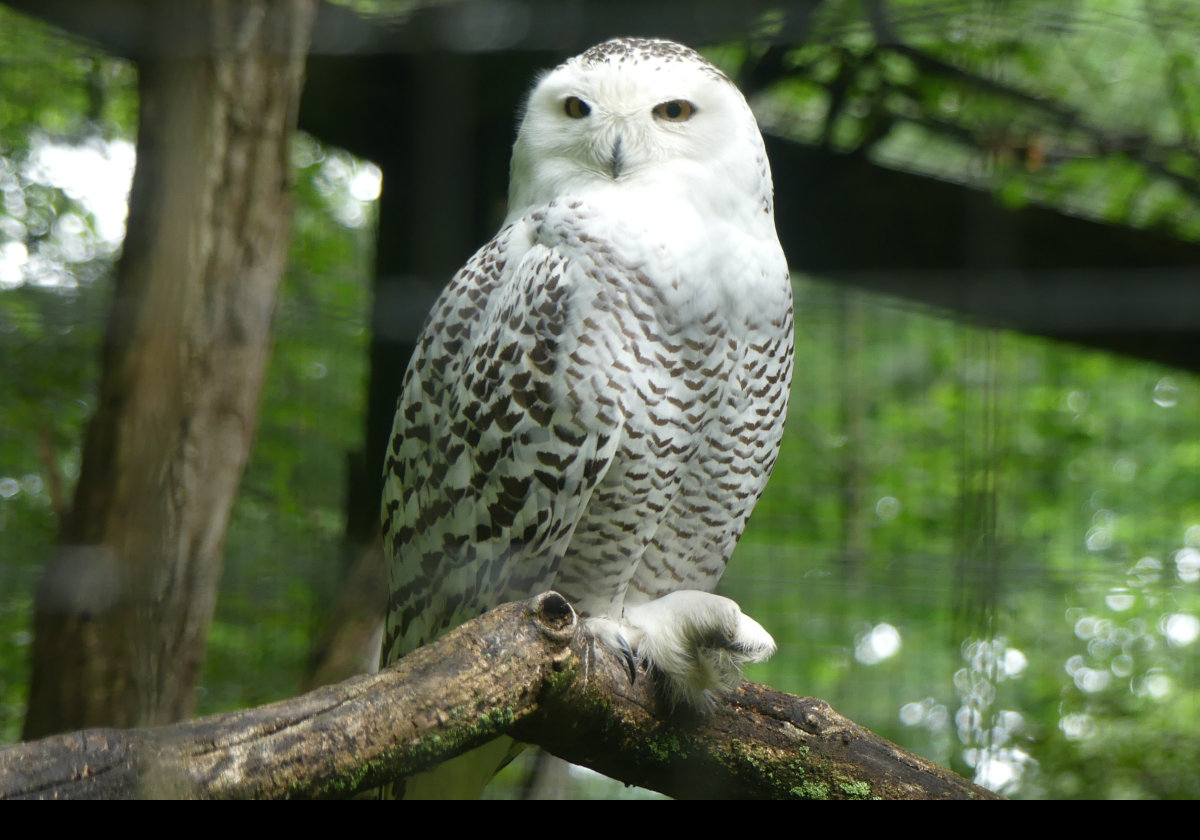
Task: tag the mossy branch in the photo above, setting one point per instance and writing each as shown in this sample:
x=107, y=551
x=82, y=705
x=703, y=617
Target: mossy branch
x=526, y=669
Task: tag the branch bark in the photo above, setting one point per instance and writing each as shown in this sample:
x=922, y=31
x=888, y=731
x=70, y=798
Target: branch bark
x=527, y=669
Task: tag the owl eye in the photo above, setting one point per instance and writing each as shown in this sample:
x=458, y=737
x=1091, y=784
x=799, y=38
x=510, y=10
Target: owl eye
x=576, y=108
x=677, y=110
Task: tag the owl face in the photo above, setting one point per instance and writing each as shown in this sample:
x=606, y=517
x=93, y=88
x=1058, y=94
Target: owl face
x=636, y=114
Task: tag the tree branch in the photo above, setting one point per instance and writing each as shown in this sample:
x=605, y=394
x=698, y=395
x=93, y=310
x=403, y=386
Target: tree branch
x=527, y=669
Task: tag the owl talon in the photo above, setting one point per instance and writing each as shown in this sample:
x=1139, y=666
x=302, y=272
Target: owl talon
x=611, y=634
x=630, y=659
x=698, y=641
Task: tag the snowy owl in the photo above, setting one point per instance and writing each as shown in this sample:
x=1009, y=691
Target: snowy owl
x=598, y=396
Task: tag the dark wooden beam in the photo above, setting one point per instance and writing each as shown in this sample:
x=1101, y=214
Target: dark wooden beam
x=840, y=217
x=1030, y=269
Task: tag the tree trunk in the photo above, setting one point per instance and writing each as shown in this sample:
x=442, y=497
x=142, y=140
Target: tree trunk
x=123, y=610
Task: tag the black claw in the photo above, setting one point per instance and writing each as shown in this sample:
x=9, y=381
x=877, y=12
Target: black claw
x=630, y=661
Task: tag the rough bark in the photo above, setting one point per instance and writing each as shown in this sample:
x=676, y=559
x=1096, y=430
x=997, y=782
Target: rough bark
x=124, y=607
x=527, y=669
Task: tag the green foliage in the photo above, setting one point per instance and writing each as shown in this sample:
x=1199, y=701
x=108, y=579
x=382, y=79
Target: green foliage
x=59, y=85
x=1090, y=106
x=1030, y=539
x=284, y=541
x=54, y=270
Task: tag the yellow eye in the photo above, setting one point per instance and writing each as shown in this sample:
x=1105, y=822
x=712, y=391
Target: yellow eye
x=576, y=108
x=677, y=110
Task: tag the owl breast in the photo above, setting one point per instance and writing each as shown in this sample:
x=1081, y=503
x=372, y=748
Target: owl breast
x=690, y=364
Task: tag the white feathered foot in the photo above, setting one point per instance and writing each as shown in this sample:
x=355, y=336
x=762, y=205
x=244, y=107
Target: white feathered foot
x=697, y=641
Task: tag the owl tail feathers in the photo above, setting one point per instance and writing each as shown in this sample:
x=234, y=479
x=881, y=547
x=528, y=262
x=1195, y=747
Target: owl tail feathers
x=465, y=776
x=697, y=641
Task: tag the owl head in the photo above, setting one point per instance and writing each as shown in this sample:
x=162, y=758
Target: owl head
x=636, y=115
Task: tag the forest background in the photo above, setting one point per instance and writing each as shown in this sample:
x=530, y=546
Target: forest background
x=981, y=544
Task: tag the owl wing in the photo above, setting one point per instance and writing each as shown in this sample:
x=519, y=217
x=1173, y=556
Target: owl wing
x=494, y=450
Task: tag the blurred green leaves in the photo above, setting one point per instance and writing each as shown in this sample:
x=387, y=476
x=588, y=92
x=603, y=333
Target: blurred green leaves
x=1090, y=106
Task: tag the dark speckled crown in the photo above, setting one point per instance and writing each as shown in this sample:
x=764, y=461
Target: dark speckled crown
x=637, y=50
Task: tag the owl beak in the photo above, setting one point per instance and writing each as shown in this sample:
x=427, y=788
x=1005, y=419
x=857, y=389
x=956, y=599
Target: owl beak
x=617, y=162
